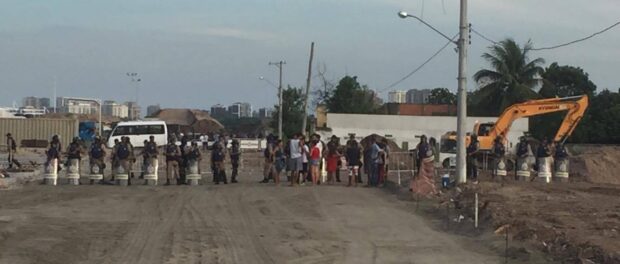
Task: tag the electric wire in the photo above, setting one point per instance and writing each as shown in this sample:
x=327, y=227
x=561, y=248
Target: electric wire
x=555, y=46
x=421, y=65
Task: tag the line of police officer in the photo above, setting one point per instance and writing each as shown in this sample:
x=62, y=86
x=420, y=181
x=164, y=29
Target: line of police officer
x=122, y=156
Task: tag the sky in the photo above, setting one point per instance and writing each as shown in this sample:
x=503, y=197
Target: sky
x=197, y=53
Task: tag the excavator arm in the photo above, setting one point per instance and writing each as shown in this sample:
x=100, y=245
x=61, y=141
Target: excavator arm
x=575, y=107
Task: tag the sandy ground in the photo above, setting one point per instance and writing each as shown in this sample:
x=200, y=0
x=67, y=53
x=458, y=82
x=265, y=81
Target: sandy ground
x=241, y=223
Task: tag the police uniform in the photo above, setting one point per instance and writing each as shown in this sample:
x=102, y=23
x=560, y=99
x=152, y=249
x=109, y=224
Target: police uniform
x=123, y=155
x=172, y=162
x=235, y=154
x=472, y=169
x=97, y=155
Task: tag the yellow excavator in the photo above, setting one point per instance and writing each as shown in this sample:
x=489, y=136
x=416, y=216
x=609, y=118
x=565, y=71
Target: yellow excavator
x=488, y=132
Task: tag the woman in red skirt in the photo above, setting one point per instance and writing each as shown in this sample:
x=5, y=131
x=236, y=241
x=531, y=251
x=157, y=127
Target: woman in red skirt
x=333, y=156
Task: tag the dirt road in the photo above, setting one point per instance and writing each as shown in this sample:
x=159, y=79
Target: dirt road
x=242, y=223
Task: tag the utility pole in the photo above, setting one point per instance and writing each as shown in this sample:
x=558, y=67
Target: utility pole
x=279, y=65
x=303, y=122
x=461, y=154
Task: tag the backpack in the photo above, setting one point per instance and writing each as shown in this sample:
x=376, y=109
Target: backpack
x=96, y=151
x=122, y=152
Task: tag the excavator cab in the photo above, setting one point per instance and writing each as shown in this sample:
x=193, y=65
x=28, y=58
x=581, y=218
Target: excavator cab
x=483, y=129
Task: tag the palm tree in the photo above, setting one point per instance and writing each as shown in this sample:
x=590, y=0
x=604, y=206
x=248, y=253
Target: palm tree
x=512, y=77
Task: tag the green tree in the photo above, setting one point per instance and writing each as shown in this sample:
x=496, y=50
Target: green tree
x=510, y=80
x=563, y=81
x=350, y=97
x=442, y=96
x=601, y=123
x=292, y=111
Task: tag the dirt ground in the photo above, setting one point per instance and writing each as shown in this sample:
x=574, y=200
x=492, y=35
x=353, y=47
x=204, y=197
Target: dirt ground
x=577, y=222
x=246, y=222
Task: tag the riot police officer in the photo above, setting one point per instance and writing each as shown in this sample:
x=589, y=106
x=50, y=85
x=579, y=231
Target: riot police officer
x=235, y=154
x=97, y=155
x=472, y=150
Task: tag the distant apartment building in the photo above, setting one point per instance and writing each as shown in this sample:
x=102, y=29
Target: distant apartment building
x=415, y=96
x=219, y=111
x=152, y=110
x=134, y=111
x=76, y=106
x=111, y=108
x=240, y=110
x=264, y=113
x=398, y=97
x=36, y=102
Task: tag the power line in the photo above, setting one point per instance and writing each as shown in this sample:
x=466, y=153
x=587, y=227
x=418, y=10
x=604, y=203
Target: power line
x=556, y=46
x=483, y=36
x=579, y=40
x=421, y=65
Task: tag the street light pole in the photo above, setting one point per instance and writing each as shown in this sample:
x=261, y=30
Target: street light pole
x=463, y=41
x=279, y=65
x=461, y=115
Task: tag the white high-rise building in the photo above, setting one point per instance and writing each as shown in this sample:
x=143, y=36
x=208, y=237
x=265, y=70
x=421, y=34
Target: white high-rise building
x=397, y=97
x=111, y=108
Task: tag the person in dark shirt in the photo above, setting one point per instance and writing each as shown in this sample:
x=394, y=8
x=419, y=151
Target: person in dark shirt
x=173, y=155
x=218, y=157
x=472, y=150
x=235, y=155
x=96, y=157
x=353, y=156
x=11, y=149
x=560, y=151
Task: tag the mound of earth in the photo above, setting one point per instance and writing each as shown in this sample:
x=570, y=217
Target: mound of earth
x=596, y=164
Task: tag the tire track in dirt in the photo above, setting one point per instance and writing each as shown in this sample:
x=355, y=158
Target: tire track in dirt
x=147, y=242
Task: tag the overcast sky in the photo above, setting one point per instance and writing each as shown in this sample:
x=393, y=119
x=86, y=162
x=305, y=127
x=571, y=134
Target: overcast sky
x=196, y=53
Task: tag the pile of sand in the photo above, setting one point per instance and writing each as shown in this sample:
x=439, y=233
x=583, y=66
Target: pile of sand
x=596, y=164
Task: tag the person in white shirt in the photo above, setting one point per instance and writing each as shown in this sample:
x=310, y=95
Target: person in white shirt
x=305, y=152
x=296, y=161
x=205, y=141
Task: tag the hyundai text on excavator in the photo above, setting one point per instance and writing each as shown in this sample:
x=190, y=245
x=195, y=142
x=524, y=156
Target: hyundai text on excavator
x=487, y=132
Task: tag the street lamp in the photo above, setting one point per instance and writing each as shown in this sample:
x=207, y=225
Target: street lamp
x=279, y=64
x=279, y=103
x=462, y=87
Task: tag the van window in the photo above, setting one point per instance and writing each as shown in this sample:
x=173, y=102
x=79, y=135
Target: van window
x=139, y=130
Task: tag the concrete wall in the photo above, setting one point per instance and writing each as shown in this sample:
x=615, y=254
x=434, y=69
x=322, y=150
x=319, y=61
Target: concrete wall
x=405, y=128
x=39, y=128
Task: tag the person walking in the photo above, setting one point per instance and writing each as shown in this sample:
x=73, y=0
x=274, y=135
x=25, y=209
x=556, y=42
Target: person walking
x=353, y=158
x=11, y=149
x=173, y=155
x=96, y=156
x=472, y=151
x=235, y=156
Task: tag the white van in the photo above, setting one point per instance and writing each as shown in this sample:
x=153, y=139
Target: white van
x=138, y=131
